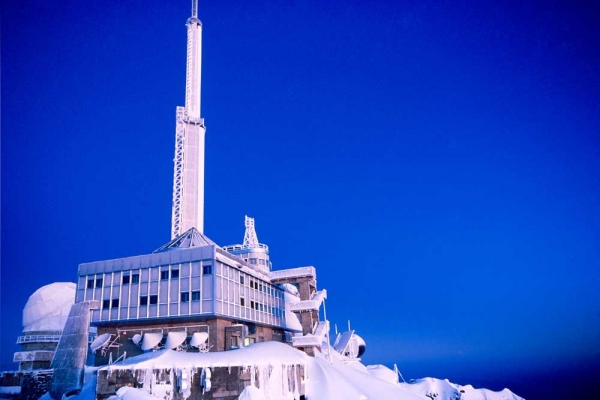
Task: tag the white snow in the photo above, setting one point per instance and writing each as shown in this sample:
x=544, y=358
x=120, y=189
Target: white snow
x=327, y=377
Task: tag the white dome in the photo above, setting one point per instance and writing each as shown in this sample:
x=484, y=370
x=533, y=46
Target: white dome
x=48, y=308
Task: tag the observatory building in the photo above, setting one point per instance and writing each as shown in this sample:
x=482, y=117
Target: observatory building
x=190, y=287
x=44, y=318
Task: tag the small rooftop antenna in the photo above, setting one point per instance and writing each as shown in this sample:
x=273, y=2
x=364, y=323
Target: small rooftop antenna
x=250, y=238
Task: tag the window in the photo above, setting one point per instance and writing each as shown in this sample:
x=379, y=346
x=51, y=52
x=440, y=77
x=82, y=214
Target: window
x=115, y=303
x=143, y=300
x=196, y=295
x=260, y=307
x=260, y=287
x=242, y=302
x=154, y=299
x=207, y=269
x=175, y=274
x=135, y=278
x=261, y=262
x=251, y=303
x=126, y=279
x=253, y=261
x=90, y=283
x=105, y=303
x=241, y=279
x=185, y=297
x=164, y=275
x=98, y=283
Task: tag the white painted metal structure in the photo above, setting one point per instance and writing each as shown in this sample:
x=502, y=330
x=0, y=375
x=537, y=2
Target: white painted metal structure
x=250, y=237
x=188, y=179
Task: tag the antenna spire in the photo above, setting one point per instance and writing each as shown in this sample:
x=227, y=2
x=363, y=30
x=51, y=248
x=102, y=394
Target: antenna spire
x=195, y=8
x=188, y=179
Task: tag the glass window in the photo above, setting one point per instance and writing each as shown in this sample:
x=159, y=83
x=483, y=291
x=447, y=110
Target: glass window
x=126, y=279
x=98, y=283
x=105, y=303
x=164, y=275
x=115, y=303
x=175, y=274
x=242, y=302
x=241, y=280
x=207, y=269
x=185, y=297
x=196, y=295
x=135, y=278
x=143, y=300
x=90, y=283
x=154, y=299
x=253, y=261
x=251, y=303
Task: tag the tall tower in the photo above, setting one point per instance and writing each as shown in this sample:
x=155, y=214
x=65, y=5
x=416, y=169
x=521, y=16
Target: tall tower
x=188, y=179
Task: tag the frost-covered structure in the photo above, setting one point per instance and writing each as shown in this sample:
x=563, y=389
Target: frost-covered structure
x=44, y=318
x=190, y=285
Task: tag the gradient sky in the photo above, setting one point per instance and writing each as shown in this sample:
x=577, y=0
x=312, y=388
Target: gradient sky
x=438, y=162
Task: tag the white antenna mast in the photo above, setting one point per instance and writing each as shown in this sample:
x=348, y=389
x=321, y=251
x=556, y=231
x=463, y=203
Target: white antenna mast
x=250, y=237
x=188, y=177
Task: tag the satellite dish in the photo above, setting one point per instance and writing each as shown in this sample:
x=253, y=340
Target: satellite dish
x=151, y=340
x=136, y=338
x=175, y=339
x=198, y=339
x=362, y=346
x=100, y=342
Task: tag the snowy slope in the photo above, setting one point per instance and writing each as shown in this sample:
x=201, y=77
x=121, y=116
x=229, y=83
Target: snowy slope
x=328, y=377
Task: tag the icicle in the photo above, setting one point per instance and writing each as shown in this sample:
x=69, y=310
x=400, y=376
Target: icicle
x=252, y=378
x=296, y=386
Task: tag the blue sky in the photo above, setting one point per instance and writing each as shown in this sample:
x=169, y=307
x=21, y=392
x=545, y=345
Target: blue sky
x=438, y=162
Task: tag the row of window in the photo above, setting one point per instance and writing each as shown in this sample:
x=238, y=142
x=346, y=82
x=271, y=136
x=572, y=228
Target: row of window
x=261, y=288
x=135, y=278
x=153, y=299
x=261, y=307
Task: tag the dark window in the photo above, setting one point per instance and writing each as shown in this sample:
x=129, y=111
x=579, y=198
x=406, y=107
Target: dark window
x=260, y=287
x=251, y=303
x=135, y=278
x=207, y=270
x=115, y=303
x=260, y=306
x=196, y=295
x=242, y=302
x=253, y=261
x=175, y=274
x=185, y=297
x=126, y=279
x=164, y=275
x=154, y=299
x=241, y=280
x=98, y=282
x=143, y=300
x=105, y=303
x=90, y=284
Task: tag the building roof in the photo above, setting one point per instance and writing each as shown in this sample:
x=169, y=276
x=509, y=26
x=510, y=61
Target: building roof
x=190, y=238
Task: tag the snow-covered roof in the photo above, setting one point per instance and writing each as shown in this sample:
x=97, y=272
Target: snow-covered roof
x=48, y=307
x=190, y=238
x=266, y=353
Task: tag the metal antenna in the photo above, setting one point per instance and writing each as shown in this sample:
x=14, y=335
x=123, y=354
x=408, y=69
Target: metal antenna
x=195, y=8
x=250, y=237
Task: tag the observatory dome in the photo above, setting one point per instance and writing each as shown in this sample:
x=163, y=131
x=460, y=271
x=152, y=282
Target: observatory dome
x=48, y=307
